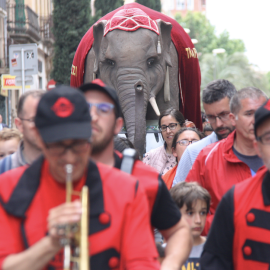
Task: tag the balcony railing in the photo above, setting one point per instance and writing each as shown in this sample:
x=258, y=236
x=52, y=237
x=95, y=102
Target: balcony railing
x=46, y=24
x=3, y=4
x=22, y=22
x=3, y=63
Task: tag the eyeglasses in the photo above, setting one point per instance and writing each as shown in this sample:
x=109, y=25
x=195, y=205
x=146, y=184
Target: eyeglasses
x=222, y=116
x=102, y=108
x=186, y=142
x=59, y=149
x=30, y=120
x=264, y=139
x=171, y=126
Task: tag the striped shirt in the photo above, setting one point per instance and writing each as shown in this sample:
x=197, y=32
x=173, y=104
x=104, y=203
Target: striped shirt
x=190, y=155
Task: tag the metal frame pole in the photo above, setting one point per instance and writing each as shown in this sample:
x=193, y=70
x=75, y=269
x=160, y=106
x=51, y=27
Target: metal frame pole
x=215, y=66
x=9, y=109
x=22, y=58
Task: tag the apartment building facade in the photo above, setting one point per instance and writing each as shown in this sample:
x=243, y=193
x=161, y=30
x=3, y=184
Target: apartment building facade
x=172, y=7
x=25, y=21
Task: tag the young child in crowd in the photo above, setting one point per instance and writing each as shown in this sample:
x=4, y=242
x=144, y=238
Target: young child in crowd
x=9, y=141
x=194, y=203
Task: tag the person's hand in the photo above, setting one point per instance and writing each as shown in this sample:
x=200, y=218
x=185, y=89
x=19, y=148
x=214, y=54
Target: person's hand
x=62, y=220
x=190, y=124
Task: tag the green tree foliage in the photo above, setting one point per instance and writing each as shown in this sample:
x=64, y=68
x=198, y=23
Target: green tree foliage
x=71, y=21
x=202, y=30
x=230, y=45
x=103, y=7
x=235, y=68
x=233, y=65
x=153, y=4
x=268, y=80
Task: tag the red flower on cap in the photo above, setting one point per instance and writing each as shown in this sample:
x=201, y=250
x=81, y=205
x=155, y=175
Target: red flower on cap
x=267, y=105
x=130, y=20
x=99, y=82
x=63, y=107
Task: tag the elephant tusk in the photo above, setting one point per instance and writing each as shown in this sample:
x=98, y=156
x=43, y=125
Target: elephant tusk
x=153, y=102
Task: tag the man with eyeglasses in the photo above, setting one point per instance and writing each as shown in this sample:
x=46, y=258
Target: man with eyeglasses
x=28, y=150
x=240, y=236
x=216, y=102
x=33, y=209
x=164, y=214
x=220, y=166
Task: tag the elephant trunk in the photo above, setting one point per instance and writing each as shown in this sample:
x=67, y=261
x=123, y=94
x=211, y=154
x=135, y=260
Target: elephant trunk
x=133, y=96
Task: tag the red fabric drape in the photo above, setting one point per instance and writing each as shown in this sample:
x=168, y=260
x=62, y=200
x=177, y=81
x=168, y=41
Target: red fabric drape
x=189, y=70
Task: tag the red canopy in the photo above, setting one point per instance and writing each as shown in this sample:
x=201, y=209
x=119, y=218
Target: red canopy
x=189, y=70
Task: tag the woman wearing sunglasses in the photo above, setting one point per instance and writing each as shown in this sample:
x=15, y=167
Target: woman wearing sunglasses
x=181, y=140
x=161, y=158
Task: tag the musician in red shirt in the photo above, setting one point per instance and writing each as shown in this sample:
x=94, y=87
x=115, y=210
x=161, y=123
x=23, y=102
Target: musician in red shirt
x=33, y=211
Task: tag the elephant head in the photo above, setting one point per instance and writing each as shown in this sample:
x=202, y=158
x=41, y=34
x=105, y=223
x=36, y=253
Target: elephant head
x=132, y=50
x=135, y=63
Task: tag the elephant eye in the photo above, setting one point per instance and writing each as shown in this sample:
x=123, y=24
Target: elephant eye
x=110, y=62
x=151, y=61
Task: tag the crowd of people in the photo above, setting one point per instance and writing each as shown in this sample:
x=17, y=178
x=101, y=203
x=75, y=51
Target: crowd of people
x=199, y=201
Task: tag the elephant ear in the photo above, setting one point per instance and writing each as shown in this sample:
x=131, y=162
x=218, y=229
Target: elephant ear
x=165, y=40
x=164, y=49
x=98, y=32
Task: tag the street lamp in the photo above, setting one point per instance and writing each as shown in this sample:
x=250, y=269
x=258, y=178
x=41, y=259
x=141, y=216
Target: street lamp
x=215, y=52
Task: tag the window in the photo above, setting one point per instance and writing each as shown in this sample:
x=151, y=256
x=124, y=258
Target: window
x=203, y=2
x=39, y=66
x=171, y=4
x=190, y=4
x=180, y=5
x=40, y=82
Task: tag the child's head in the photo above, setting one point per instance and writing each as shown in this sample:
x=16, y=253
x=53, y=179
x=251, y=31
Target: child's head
x=9, y=141
x=194, y=203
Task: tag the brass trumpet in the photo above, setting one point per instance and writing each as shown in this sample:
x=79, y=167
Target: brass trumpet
x=76, y=251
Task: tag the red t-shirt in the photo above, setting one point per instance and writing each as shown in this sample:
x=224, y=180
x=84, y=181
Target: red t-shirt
x=129, y=232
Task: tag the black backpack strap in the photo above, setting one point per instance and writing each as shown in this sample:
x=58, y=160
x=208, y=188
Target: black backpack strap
x=129, y=157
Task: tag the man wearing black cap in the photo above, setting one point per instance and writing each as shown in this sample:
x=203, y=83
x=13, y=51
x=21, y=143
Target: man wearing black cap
x=33, y=211
x=240, y=234
x=165, y=216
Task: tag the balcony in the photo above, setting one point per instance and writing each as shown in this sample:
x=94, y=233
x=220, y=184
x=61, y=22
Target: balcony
x=4, y=66
x=3, y=8
x=45, y=31
x=22, y=24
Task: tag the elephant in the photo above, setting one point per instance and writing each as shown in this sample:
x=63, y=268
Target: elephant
x=142, y=65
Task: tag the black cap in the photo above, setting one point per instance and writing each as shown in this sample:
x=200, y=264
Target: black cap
x=62, y=114
x=261, y=114
x=98, y=84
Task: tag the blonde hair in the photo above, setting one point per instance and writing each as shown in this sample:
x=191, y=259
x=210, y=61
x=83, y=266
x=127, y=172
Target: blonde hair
x=10, y=133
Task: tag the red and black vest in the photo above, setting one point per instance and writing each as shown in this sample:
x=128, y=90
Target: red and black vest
x=251, y=242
